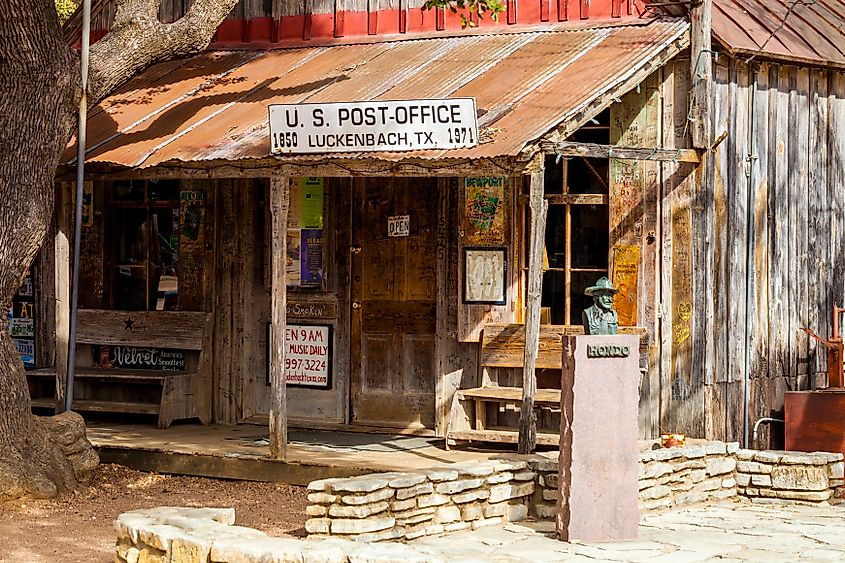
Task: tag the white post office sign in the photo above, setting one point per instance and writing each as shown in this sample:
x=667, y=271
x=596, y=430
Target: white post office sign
x=402, y=125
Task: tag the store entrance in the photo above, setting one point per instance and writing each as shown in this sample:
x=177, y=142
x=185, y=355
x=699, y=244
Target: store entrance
x=393, y=302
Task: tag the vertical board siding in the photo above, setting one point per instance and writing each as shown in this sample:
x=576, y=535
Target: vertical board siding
x=759, y=388
x=738, y=275
x=817, y=213
x=836, y=182
x=241, y=302
x=786, y=142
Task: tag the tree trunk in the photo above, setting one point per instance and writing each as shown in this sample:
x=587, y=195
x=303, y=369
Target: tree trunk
x=38, y=90
x=39, y=96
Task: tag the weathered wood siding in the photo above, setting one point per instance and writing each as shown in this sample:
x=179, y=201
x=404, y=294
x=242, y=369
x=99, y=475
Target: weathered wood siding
x=777, y=184
x=241, y=302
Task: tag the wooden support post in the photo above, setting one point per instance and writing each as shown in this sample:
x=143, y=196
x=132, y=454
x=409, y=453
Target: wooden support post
x=279, y=205
x=700, y=114
x=538, y=207
x=61, y=289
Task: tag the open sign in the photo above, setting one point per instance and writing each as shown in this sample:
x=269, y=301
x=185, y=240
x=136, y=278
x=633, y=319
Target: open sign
x=399, y=226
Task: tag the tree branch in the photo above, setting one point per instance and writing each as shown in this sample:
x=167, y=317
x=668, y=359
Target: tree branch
x=138, y=39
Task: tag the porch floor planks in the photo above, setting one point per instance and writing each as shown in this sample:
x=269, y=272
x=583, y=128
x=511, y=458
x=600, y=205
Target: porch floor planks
x=223, y=451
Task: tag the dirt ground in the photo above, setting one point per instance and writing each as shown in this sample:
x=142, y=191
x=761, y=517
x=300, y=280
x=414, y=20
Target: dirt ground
x=77, y=527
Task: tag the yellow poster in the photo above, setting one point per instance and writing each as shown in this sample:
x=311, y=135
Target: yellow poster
x=626, y=268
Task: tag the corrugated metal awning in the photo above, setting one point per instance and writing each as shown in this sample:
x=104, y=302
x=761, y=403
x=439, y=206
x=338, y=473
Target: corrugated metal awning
x=801, y=32
x=213, y=107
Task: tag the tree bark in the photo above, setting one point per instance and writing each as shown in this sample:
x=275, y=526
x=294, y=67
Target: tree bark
x=39, y=94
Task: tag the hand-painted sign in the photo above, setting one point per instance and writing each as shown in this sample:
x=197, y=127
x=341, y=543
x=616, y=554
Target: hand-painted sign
x=401, y=125
x=485, y=210
x=308, y=355
x=399, y=226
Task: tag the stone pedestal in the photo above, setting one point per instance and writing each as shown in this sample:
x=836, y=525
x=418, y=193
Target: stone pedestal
x=598, y=439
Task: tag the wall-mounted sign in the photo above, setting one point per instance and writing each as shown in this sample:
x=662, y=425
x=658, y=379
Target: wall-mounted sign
x=191, y=221
x=311, y=309
x=484, y=207
x=399, y=226
x=401, y=125
x=132, y=357
x=21, y=320
x=308, y=355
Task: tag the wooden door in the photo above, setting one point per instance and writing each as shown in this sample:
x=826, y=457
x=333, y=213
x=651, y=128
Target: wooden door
x=393, y=303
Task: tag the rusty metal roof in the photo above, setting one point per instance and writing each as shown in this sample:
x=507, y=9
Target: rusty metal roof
x=214, y=106
x=808, y=32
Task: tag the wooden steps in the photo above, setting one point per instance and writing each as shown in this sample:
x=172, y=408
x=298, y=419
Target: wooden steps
x=468, y=417
x=503, y=436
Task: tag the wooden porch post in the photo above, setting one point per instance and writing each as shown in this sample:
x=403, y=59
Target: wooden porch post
x=538, y=207
x=279, y=205
x=701, y=14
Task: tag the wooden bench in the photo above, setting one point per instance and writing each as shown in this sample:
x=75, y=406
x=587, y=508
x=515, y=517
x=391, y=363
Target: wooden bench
x=171, y=395
x=503, y=346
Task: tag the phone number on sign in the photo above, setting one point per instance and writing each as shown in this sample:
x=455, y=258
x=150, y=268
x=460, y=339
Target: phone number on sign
x=301, y=364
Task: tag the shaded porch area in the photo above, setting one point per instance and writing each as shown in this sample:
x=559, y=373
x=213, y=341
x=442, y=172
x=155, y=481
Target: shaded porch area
x=243, y=451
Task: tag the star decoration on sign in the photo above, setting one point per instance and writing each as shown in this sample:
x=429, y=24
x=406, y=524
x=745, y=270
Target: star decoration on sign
x=128, y=323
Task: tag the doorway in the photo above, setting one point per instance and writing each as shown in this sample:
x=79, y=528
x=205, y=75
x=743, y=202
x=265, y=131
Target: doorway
x=393, y=255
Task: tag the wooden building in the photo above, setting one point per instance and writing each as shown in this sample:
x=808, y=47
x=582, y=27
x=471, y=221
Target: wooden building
x=584, y=105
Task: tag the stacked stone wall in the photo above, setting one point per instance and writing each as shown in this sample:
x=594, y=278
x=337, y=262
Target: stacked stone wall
x=544, y=502
x=396, y=506
x=409, y=505
x=684, y=475
x=810, y=477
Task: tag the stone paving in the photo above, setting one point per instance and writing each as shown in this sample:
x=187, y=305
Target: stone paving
x=726, y=531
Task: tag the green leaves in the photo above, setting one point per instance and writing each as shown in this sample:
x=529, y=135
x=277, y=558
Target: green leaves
x=65, y=9
x=467, y=7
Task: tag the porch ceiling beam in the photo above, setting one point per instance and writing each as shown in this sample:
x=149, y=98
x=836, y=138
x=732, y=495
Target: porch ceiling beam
x=593, y=150
x=448, y=167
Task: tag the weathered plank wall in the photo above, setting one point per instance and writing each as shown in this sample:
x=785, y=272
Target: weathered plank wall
x=777, y=186
x=241, y=301
x=633, y=214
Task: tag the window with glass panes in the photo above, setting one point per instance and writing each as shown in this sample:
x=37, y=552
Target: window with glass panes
x=144, y=229
x=576, y=245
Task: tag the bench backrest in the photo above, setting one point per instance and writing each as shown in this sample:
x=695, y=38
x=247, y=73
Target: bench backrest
x=503, y=345
x=178, y=330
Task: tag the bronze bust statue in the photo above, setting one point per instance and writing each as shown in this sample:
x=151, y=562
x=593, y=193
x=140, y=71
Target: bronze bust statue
x=601, y=318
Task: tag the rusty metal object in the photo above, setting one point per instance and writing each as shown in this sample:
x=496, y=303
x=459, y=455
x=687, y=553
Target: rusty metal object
x=800, y=32
x=814, y=420
x=835, y=350
x=673, y=440
x=212, y=107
